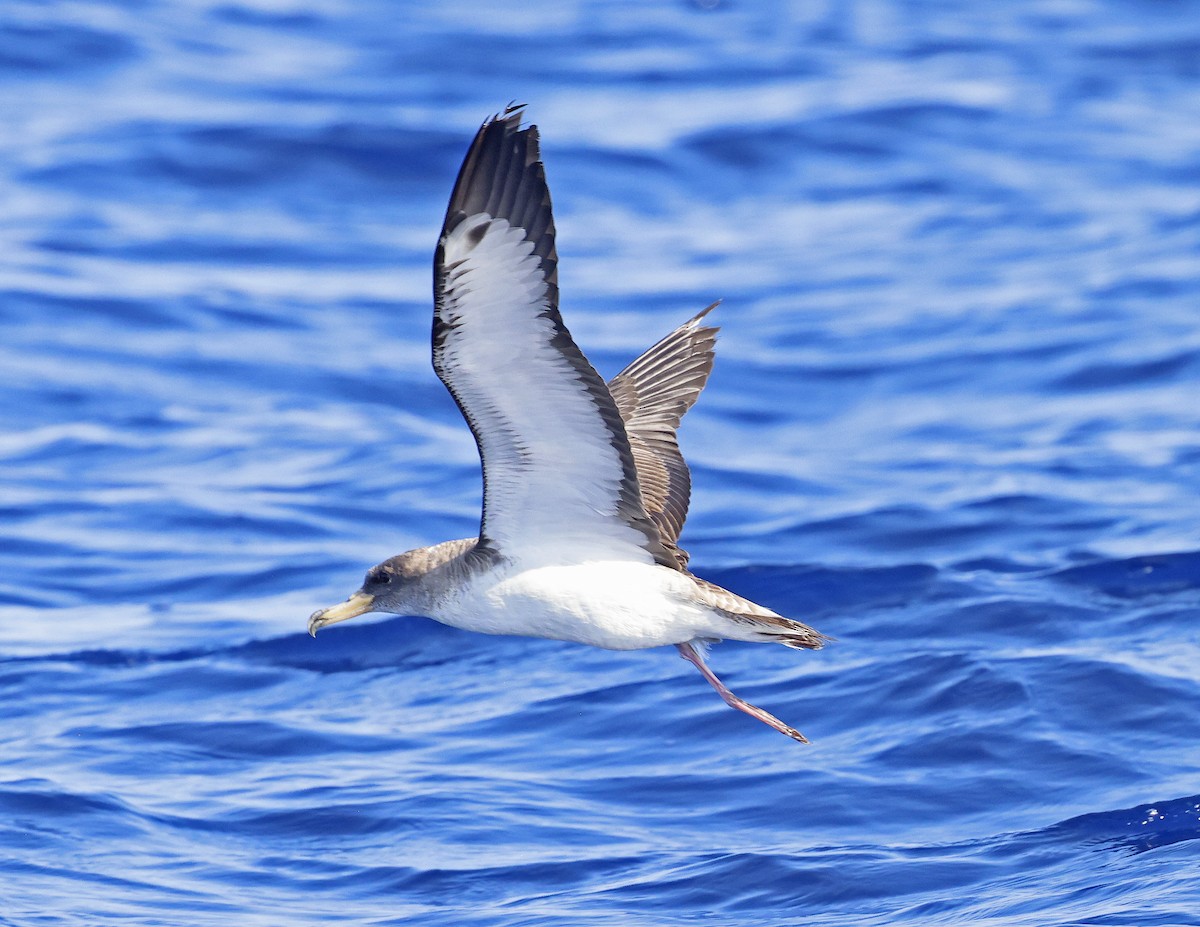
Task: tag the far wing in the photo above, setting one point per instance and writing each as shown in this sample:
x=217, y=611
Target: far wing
x=652, y=394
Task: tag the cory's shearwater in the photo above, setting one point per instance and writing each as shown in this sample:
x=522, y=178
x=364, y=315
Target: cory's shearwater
x=584, y=488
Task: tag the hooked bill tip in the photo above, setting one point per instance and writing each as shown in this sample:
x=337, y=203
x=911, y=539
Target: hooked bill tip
x=357, y=604
x=315, y=622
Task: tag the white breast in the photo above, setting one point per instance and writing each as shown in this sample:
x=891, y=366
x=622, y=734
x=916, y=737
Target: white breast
x=618, y=605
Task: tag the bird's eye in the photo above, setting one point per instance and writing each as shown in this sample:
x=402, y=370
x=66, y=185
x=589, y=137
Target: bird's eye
x=379, y=578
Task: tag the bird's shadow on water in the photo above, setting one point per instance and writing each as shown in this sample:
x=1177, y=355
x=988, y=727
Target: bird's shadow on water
x=1138, y=829
x=1136, y=577
x=393, y=642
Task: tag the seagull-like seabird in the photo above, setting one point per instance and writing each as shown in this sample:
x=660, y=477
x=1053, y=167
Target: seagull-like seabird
x=584, y=488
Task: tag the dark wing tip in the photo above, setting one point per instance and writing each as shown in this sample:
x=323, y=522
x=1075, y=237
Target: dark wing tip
x=502, y=176
x=502, y=173
x=513, y=110
x=695, y=320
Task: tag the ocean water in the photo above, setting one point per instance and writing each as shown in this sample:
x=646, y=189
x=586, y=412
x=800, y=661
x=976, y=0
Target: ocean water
x=954, y=423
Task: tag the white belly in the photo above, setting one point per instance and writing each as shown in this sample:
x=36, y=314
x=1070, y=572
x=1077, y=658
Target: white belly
x=618, y=605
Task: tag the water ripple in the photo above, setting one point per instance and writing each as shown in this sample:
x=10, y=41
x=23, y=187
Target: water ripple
x=953, y=424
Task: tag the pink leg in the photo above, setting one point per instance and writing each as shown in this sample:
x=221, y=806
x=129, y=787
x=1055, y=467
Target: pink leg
x=692, y=655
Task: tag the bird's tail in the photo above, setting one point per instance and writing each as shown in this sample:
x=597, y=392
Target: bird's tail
x=790, y=632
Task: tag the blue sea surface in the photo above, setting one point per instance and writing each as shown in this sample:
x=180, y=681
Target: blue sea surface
x=954, y=423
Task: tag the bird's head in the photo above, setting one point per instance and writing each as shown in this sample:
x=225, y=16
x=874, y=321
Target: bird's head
x=411, y=583
x=387, y=587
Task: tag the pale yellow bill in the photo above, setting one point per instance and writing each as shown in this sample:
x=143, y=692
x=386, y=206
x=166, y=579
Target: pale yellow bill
x=358, y=604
